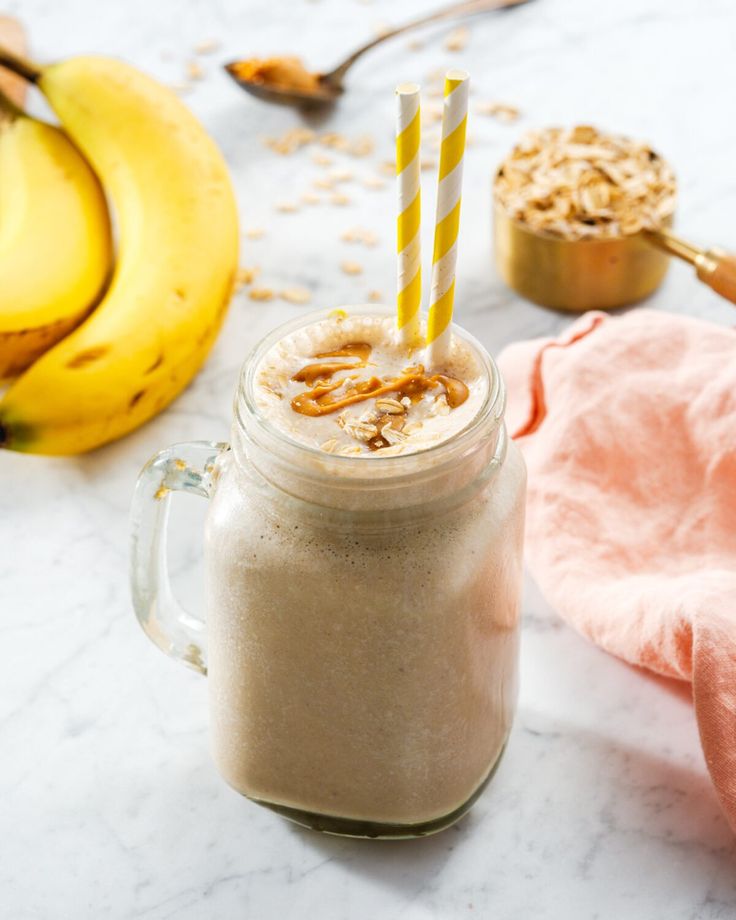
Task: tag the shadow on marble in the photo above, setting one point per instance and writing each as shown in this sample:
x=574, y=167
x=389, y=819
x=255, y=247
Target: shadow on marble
x=619, y=807
x=400, y=864
x=680, y=689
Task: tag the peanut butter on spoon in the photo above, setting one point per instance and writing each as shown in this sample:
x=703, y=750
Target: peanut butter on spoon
x=284, y=73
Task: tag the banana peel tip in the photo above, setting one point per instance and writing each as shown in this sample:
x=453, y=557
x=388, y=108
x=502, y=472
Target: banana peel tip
x=14, y=437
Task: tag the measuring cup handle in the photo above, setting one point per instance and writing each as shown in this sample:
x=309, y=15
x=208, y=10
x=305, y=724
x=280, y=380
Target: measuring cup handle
x=717, y=269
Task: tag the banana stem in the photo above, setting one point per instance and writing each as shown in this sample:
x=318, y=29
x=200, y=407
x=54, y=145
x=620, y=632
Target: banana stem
x=19, y=65
x=9, y=111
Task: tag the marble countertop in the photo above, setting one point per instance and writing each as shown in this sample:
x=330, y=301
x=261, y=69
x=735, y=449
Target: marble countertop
x=109, y=804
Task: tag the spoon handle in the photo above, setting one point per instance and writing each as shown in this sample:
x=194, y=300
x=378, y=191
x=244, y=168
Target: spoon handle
x=466, y=8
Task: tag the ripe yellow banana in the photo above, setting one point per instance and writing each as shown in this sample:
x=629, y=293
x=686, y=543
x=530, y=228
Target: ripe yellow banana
x=177, y=255
x=55, y=247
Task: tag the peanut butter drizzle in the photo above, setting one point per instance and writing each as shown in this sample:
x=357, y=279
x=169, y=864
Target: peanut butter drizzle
x=414, y=382
x=311, y=373
x=455, y=390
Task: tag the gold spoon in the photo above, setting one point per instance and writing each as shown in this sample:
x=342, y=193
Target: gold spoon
x=299, y=87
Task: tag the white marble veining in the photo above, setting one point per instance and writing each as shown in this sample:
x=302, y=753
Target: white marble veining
x=109, y=804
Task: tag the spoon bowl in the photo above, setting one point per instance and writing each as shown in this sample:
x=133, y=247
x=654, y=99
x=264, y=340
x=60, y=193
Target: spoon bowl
x=325, y=96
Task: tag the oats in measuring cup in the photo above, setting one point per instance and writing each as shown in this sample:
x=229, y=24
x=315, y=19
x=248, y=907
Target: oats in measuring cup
x=580, y=183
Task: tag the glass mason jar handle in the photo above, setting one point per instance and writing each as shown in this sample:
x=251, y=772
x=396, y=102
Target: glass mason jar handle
x=185, y=468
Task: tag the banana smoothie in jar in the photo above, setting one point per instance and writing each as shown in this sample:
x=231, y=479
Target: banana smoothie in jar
x=363, y=573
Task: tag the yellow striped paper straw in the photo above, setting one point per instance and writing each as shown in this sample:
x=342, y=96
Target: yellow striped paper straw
x=408, y=242
x=447, y=222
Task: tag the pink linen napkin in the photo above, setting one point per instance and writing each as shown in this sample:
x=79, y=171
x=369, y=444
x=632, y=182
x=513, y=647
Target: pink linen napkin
x=628, y=428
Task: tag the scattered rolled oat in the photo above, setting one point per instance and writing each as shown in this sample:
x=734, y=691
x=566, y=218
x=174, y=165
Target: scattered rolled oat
x=287, y=207
x=581, y=183
x=324, y=182
x=195, y=71
x=341, y=175
x=320, y=159
x=296, y=295
x=339, y=198
x=374, y=182
x=457, y=40
x=329, y=446
x=255, y=233
x=334, y=140
x=500, y=110
x=310, y=198
x=351, y=268
x=362, y=146
x=206, y=46
x=261, y=293
x=359, y=235
x=245, y=276
x=388, y=167
x=290, y=142
x=375, y=297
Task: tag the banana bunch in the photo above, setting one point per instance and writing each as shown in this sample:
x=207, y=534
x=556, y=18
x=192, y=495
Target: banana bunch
x=177, y=253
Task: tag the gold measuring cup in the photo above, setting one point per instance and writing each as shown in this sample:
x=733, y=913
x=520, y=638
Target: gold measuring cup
x=598, y=274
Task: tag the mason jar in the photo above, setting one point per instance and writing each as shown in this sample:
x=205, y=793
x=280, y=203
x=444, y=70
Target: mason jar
x=361, y=631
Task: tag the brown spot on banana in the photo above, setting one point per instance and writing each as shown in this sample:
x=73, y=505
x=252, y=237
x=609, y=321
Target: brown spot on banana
x=156, y=364
x=88, y=356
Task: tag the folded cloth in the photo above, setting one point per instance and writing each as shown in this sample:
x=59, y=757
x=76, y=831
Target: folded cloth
x=628, y=428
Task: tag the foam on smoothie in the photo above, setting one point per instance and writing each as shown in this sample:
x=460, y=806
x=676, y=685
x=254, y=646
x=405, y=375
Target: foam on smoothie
x=317, y=386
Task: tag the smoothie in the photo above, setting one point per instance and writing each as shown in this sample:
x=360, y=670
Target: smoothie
x=364, y=564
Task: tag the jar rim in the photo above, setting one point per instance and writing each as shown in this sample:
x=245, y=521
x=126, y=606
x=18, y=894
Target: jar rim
x=399, y=465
